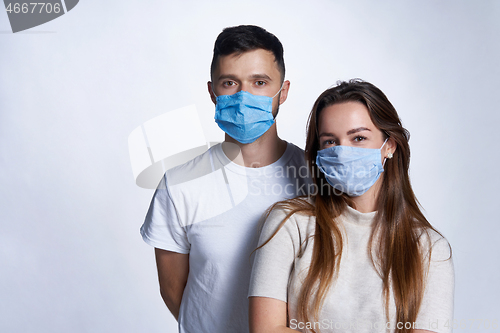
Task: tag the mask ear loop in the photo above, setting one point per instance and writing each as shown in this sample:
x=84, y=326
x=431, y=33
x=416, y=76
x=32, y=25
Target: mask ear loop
x=280, y=89
x=213, y=91
x=274, y=117
x=385, y=158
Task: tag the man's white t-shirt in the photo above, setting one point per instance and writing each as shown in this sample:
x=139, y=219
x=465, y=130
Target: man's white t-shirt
x=212, y=208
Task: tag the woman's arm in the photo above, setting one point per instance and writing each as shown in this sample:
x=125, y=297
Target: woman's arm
x=267, y=315
x=273, y=264
x=436, y=309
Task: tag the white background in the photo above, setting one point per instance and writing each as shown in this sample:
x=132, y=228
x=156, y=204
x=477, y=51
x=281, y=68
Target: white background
x=72, y=90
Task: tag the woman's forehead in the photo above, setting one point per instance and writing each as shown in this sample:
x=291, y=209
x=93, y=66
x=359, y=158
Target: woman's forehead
x=345, y=117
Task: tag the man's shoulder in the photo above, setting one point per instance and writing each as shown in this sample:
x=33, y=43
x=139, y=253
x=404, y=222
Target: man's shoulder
x=195, y=168
x=296, y=166
x=297, y=155
x=295, y=148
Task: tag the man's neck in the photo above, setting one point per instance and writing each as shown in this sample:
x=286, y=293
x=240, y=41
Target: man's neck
x=262, y=152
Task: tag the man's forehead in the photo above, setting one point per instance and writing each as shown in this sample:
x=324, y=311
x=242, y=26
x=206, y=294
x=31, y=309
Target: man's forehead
x=258, y=63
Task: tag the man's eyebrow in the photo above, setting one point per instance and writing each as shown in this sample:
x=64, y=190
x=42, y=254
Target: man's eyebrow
x=253, y=77
x=227, y=76
x=260, y=76
x=356, y=130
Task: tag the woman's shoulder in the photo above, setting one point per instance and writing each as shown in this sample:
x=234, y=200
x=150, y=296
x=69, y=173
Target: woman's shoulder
x=434, y=244
x=300, y=209
x=293, y=214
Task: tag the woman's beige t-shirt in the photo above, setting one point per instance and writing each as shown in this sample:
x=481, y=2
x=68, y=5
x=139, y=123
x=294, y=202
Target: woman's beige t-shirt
x=355, y=301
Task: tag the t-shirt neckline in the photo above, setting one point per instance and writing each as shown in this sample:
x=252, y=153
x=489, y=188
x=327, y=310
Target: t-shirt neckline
x=353, y=216
x=253, y=172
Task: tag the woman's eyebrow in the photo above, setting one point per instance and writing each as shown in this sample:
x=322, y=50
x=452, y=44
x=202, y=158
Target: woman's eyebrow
x=356, y=130
x=326, y=134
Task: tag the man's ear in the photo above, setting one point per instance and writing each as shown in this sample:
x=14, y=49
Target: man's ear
x=284, y=92
x=211, y=92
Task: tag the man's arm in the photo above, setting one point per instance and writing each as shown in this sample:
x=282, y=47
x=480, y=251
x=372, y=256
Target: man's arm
x=173, y=269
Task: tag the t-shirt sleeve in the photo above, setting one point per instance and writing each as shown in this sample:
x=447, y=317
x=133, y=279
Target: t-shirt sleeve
x=274, y=261
x=436, y=310
x=162, y=228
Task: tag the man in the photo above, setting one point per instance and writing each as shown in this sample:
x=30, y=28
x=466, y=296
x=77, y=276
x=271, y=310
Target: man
x=204, y=217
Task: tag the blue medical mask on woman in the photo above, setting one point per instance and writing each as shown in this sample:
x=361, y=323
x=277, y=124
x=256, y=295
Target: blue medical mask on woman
x=243, y=116
x=351, y=170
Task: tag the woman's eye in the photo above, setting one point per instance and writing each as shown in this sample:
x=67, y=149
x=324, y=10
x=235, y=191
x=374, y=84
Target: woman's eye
x=328, y=142
x=359, y=138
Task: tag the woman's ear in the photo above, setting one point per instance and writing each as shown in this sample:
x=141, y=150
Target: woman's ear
x=390, y=147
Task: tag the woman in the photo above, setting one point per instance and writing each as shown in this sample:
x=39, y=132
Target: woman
x=357, y=255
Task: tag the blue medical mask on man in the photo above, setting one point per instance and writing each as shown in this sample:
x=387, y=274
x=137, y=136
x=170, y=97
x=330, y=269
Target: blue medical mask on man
x=351, y=170
x=243, y=116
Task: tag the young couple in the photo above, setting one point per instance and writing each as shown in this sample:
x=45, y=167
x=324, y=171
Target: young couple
x=353, y=254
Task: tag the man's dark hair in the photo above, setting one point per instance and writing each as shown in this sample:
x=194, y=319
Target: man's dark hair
x=244, y=38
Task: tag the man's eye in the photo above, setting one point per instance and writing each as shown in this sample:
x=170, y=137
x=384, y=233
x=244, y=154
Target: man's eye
x=260, y=83
x=228, y=83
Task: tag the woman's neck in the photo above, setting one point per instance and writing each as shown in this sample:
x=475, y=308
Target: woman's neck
x=367, y=202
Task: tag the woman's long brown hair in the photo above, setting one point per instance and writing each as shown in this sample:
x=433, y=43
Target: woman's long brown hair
x=398, y=223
